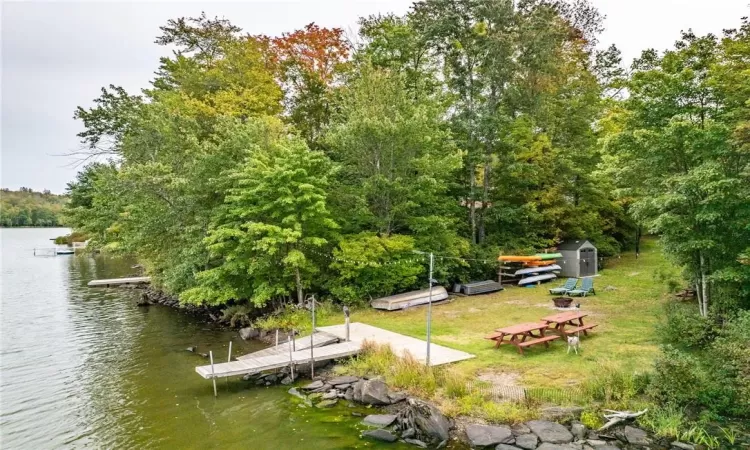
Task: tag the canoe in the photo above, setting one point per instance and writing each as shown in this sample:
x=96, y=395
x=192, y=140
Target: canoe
x=537, y=278
x=514, y=258
x=546, y=256
x=549, y=262
x=409, y=299
x=550, y=268
x=65, y=251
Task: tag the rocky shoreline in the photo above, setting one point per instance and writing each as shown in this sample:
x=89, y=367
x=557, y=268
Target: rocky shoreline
x=414, y=421
x=420, y=423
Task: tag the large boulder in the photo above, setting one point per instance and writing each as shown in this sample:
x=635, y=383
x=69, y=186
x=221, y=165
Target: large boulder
x=381, y=435
x=375, y=392
x=379, y=420
x=550, y=432
x=527, y=441
x=506, y=447
x=636, y=436
x=357, y=390
x=578, y=430
x=488, y=435
x=326, y=404
x=249, y=333
x=430, y=422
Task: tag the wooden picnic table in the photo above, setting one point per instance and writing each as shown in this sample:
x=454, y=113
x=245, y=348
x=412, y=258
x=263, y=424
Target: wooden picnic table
x=522, y=335
x=563, y=319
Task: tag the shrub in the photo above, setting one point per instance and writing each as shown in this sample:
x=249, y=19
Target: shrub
x=615, y=387
x=367, y=266
x=665, y=421
x=294, y=317
x=730, y=366
x=684, y=327
x=592, y=419
x=237, y=315
x=676, y=379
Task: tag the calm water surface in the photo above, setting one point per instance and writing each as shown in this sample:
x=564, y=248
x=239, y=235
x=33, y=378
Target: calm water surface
x=86, y=368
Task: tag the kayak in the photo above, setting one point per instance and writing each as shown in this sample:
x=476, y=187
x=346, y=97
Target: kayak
x=546, y=256
x=550, y=268
x=549, y=262
x=513, y=258
x=536, y=279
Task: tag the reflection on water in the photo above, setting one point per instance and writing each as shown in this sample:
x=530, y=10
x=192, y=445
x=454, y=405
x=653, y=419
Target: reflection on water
x=83, y=367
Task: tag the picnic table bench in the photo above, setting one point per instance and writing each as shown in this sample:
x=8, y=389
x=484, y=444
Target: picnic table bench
x=522, y=335
x=568, y=318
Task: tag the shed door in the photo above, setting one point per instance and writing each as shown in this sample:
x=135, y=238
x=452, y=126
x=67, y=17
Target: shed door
x=587, y=262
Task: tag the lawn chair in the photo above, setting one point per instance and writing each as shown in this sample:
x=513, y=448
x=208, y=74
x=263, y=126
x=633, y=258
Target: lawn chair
x=587, y=286
x=569, y=285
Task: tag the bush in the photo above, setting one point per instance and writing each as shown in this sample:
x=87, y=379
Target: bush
x=237, y=315
x=684, y=327
x=592, y=419
x=367, y=266
x=613, y=387
x=665, y=421
x=676, y=379
x=730, y=366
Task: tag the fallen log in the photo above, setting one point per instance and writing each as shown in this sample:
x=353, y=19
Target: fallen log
x=619, y=416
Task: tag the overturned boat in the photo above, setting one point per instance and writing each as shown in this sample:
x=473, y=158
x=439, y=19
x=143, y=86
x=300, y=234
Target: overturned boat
x=409, y=299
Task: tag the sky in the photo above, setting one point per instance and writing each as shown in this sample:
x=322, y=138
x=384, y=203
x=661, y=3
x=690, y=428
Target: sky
x=57, y=55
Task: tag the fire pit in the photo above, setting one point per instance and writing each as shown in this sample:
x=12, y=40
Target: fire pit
x=562, y=302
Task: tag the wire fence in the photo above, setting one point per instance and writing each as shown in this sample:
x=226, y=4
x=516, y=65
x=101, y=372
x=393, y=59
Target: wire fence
x=557, y=396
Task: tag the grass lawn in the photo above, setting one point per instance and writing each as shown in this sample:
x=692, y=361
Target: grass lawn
x=625, y=338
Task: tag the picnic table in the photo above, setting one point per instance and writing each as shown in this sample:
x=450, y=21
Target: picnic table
x=522, y=335
x=564, y=319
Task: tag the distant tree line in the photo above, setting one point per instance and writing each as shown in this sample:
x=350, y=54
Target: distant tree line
x=28, y=208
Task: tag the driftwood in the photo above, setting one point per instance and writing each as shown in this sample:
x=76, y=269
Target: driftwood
x=618, y=416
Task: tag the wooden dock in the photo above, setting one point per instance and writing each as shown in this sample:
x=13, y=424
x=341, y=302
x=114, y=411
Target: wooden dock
x=276, y=361
x=320, y=339
x=330, y=343
x=119, y=281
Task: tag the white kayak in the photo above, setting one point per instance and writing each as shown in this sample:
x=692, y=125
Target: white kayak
x=551, y=268
x=537, y=278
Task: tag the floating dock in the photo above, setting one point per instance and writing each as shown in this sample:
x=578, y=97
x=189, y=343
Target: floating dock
x=119, y=281
x=320, y=339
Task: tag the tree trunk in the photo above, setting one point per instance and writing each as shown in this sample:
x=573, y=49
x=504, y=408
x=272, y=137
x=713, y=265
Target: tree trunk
x=298, y=279
x=472, y=206
x=485, y=199
x=702, y=291
x=637, y=241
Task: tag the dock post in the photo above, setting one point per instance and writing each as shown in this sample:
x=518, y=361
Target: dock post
x=291, y=360
x=277, y=337
x=213, y=375
x=346, y=322
x=312, y=341
x=229, y=358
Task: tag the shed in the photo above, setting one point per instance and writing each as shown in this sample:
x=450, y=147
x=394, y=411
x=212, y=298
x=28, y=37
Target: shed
x=579, y=258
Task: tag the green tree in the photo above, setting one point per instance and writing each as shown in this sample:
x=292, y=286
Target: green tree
x=275, y=215
x=676, y=152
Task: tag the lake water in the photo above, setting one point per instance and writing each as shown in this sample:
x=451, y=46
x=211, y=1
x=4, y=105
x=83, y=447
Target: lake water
x=85, y=367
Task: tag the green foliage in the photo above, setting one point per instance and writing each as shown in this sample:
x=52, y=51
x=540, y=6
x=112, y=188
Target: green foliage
x=274, y=216
x=674, y=152
x=613, y=387
x=676, y=378
x=592, y=419
x=294, y=317
x=664, y=421
x=684, y=327
x=367, y=266
x=27, y=208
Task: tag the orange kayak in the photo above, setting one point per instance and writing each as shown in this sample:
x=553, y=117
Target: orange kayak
x=512, y=258
x=548, y=262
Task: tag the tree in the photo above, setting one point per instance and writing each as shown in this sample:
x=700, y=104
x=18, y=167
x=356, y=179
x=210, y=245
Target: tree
x=675, y=150
x=310, y=65
x=274, y=216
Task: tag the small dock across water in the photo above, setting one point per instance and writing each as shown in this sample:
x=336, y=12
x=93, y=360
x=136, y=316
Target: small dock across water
x=119, y=281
